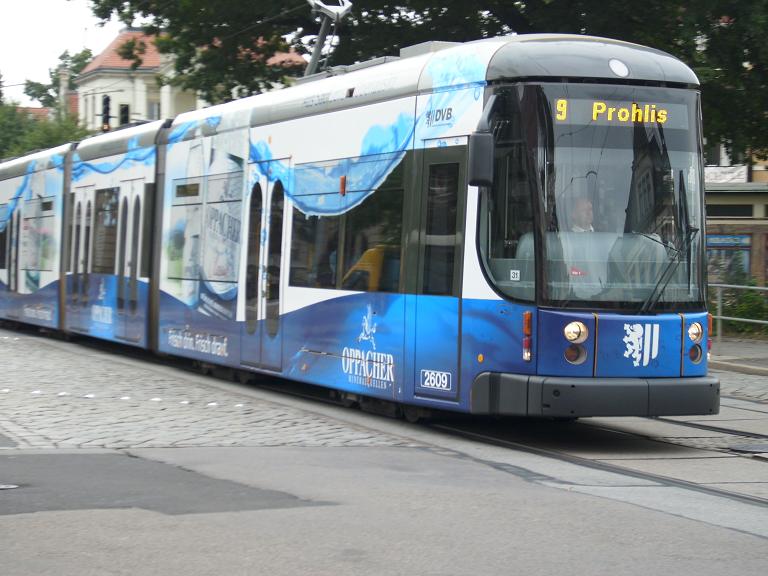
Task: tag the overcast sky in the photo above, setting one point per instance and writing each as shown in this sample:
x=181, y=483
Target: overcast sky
x=34, y=33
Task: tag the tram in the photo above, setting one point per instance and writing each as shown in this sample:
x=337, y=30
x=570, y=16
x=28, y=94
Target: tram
x=510, y=226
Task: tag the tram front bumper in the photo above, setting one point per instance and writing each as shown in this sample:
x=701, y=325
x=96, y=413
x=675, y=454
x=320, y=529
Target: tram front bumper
x=524, y=395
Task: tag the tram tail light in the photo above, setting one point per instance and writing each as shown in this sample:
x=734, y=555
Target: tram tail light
x=527, y=330
x=709, y=334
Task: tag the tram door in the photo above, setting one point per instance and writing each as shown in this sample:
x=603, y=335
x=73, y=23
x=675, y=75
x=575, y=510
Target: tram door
x=130, y=315
x=81, y=226
x=261, y=333
x=13, y=245
x=438, y=302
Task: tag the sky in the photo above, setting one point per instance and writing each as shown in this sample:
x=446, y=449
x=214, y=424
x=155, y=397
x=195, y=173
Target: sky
x=34, y=33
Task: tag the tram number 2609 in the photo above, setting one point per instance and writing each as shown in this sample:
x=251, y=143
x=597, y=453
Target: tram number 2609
x=436, y=380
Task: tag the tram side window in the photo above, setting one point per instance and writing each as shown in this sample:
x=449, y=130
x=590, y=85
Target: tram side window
x=314, y=250
x=105, y=231
x=359, y=247
x=37, y=235
x=440, y=233
x=221, y=237
x=146, y=233
x=70, y=227
x=508, y=228
x=372, y=243
x=205, y=232
x=184, y=243
x=4, y=223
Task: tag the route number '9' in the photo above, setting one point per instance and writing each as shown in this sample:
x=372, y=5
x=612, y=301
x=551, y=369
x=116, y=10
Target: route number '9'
x=562, y=109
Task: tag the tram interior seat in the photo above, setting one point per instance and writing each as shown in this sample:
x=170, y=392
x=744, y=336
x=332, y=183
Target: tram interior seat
x=637, y=259
x=596, y=262
x=585, y=259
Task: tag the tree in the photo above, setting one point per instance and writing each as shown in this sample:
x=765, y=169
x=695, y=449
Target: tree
x=43, y=134
x=13, y=126
x=21, y=134
x=48, y=94
x=220, y=46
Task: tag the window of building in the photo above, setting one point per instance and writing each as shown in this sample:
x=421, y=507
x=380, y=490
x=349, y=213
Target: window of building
x=153, y=111
x=125, y=114
x=729, y=210
x=728, y=258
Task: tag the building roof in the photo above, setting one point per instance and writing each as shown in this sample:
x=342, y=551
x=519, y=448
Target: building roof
x=110, y=58
x=36, y=113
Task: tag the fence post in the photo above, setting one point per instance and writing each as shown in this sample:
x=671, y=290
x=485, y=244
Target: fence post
x=719, y=315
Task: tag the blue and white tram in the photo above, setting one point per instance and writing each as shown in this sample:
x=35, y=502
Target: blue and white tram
x=509, y=226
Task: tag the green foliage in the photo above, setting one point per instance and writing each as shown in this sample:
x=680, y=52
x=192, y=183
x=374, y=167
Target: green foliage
x=750, y=304
x=20, y=134
x=221, y=46
x=13, y=126
x=48, y=94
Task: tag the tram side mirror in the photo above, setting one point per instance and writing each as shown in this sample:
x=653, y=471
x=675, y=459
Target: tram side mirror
x=481, y=147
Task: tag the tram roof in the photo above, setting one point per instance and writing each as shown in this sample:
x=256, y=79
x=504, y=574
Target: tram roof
x=443, y=65
x=587, y=57
x=43, y=160
x=120, y=141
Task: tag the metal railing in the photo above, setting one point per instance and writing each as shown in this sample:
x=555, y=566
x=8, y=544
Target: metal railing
x=719, y=315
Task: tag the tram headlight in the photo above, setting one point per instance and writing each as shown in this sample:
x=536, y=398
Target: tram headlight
x=576, y=332
x=695, y=332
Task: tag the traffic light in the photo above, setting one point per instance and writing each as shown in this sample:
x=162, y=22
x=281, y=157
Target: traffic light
x=105, y=100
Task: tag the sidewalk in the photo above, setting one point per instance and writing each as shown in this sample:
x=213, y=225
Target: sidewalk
x=740, y=355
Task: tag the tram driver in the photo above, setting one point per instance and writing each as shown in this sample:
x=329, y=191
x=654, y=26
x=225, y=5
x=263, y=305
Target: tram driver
x=581, y=215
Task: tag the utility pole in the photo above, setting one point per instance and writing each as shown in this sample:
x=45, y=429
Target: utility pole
x=331, y=11
x=63, y=91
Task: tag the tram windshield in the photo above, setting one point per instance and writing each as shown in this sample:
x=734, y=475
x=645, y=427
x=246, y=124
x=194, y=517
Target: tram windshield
x=597, y=197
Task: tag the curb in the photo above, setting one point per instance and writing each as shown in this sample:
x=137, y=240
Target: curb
x=734, y=367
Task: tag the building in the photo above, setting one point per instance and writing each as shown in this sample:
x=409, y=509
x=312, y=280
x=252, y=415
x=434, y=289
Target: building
x=110, y=89
x=737, y=232
x=112, y=92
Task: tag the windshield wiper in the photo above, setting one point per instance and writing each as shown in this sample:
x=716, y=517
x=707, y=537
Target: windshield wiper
x=669, y=270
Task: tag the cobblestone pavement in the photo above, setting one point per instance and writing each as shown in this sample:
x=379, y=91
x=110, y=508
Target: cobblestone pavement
x=744, y=386
x=56, y=395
